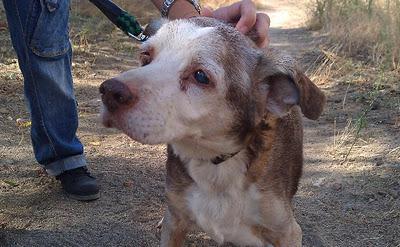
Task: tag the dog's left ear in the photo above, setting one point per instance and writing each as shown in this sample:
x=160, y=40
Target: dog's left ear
x=284, y=86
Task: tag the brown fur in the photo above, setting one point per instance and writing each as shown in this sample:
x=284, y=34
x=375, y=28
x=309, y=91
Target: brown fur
x=274, y=145
x=276, y=158
x=263, y=94
x=312, y=99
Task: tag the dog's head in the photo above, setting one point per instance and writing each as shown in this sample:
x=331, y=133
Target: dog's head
x=204, y=83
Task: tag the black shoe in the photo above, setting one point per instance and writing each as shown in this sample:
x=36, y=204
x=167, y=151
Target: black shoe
x=79, y=184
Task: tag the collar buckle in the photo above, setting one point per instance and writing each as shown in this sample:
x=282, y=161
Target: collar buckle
x=223, y=157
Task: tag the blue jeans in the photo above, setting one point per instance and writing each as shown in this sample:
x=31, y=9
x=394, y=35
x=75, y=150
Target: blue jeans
x=39, y=33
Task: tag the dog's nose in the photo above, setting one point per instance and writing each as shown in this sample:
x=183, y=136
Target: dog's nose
x=115, y=94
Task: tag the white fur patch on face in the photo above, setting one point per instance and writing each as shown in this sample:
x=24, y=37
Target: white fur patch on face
x=221, y=204
x=164, y=112
x=180, y=32
x=187, y=31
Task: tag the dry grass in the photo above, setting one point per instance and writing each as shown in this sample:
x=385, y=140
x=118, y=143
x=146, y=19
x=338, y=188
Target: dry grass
x=369, y=29
x=363, y=62
x=141, y=9
x=366, y=94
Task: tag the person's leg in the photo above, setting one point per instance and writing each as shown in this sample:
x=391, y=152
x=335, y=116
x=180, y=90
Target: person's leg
x=39, y=33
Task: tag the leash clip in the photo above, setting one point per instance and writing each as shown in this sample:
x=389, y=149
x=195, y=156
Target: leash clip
x=140, y=37
x=122, y=19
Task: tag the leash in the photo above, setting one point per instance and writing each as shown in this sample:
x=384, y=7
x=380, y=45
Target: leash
x=121, y=18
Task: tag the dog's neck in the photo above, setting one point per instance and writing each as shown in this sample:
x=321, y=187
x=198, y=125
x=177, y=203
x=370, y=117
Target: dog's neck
x=221, y=148
x=216, y=149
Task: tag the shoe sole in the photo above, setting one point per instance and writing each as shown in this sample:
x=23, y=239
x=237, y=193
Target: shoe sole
x=84, y=198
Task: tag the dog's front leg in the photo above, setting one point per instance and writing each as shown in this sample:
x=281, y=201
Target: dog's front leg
x=292, y=236
x=173, y=231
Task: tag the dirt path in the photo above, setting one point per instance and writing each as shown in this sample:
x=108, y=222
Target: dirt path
x=354, y=204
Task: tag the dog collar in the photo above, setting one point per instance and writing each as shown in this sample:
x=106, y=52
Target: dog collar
x=223, y=157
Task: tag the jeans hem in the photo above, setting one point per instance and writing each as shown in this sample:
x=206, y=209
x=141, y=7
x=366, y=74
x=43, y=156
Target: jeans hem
x=60, y=166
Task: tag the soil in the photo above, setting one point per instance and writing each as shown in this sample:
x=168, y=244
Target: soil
x=340, y=202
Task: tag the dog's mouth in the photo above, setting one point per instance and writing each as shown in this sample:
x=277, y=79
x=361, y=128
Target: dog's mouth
x=105, y=117
x=145, y=131
x=114, y=120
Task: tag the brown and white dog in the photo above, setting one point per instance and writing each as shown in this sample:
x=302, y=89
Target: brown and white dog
x=230, y=114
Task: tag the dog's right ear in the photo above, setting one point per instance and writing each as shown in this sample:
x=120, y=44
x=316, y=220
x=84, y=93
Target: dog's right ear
x=153, y=26
x=312, y=100
x=284, y=85
x=277, y=89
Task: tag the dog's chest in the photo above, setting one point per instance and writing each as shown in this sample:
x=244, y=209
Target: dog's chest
x=222, y=204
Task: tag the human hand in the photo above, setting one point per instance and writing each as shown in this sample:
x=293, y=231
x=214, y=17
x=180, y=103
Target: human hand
x=246, y=18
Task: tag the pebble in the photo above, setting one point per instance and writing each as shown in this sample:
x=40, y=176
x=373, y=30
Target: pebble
x=128, y=184
x=319, y=182
x=394, y=194
x=375, y=106
x=348, y=207
x=8, y=161
x=337, y=186
x=378, y=161
x=92, y=103
x=3, y=110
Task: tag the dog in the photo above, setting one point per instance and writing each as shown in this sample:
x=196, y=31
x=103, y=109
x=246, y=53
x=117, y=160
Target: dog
x=230, y=114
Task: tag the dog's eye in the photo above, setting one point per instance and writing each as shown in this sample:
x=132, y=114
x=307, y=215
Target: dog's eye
x=145, y=58
x=201, y=77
